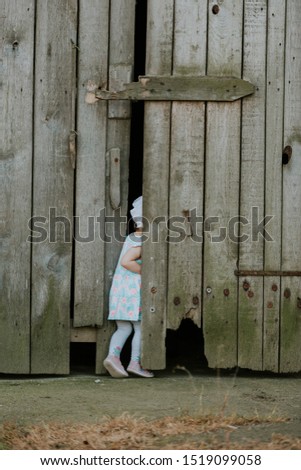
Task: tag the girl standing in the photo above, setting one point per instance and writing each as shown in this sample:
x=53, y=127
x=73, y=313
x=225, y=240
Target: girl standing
x=125, y=302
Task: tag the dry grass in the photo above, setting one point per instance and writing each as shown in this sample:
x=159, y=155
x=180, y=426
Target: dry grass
x=127, y=432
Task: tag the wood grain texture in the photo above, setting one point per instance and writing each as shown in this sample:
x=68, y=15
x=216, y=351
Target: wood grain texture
x=273, y=179
x=16, y=104
x=290, y=352
x=121, y=62
x=122, y=29
x=55, y=67
x=156, y=174
x=91, y=165
x=222, y=190
x=186, y=180
x=251, y=251
x=181, y=88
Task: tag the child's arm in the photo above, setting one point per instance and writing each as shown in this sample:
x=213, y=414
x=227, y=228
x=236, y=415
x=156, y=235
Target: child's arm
x=128, y=261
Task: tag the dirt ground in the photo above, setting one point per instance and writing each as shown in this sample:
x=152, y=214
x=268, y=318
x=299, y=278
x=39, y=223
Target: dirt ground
x=252, y=406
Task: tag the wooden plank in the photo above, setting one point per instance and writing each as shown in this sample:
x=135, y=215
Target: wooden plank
x=121, y=59
x=119, y=135
x=56, y=27
x=83, y=335
x=290, y=352
x=222, y=190
x=91, y=164
x=186, y=181
x=173, y=88
x=251, y=251
x=160, y=17
x=273, y=178
x=122, y=56
x=16, y=102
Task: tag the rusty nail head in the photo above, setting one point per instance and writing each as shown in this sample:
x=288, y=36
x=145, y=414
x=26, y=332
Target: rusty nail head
x=270, y=304
x=153, y=290
x=195, y=300
x=246, y=285
x=250, y=294
x=274, y=287
x=226, y=292
x=177, y=300
x=215, y=9
x=287, y=293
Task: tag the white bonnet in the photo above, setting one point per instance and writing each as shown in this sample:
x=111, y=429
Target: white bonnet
x=136, y=212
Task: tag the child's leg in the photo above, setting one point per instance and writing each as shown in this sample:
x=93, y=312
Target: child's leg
x=124, y=329
x=136, y=342
x=112, y=362
x=134, y=366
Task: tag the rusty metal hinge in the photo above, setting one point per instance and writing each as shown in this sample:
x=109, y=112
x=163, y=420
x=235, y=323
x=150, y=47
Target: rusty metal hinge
x=266, y=273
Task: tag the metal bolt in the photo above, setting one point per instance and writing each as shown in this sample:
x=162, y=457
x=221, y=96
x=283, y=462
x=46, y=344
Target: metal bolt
x=287, y=293
x=250, y=294
x=274, y=287
x=177, y=300
x=226, y=292
x=208, y=290
x=152, y=309
x=215, y=9
x=246, y=286
x=195, y=300
x=153, y=290
x=270, y=305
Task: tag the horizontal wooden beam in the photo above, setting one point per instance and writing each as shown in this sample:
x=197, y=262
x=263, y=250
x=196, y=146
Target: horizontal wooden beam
x=179, y=88
x=83, y=334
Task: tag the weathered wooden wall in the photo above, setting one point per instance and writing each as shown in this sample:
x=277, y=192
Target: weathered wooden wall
x=227, y=163
x=63, y=157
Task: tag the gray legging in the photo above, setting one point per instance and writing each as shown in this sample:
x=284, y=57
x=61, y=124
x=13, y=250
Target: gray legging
x=124, y=329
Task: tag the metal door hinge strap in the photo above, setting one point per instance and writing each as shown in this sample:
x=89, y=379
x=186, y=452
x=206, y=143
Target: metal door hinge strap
x=267, y=273
x=179, y=88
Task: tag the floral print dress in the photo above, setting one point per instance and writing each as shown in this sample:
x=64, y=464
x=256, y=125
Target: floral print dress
x=125, y=297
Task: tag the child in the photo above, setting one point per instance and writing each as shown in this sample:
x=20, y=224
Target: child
x=125, y=302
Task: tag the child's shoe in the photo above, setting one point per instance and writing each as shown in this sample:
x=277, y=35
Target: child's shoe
x=114, y=367
x=135, y=368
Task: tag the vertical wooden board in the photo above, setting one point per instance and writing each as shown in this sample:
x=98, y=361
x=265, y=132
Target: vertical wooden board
x=56, y=26
x=16, y=102
x=251, y=250
x=90, y=165
x=121, y=63
x=122, y=31
x=160, y=17
x=190, y=36
x=222, y=169
x=220, y=252
x=186, y=204
x=273, y=179
x=115, y=230
x=290, y=352
x=187, y=168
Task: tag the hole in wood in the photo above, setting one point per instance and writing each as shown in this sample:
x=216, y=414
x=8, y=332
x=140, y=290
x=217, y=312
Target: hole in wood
x=185, y=347
x=215, y=9
x=286, y=154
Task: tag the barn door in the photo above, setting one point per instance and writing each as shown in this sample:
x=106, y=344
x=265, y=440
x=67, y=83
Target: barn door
x=215, y=168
